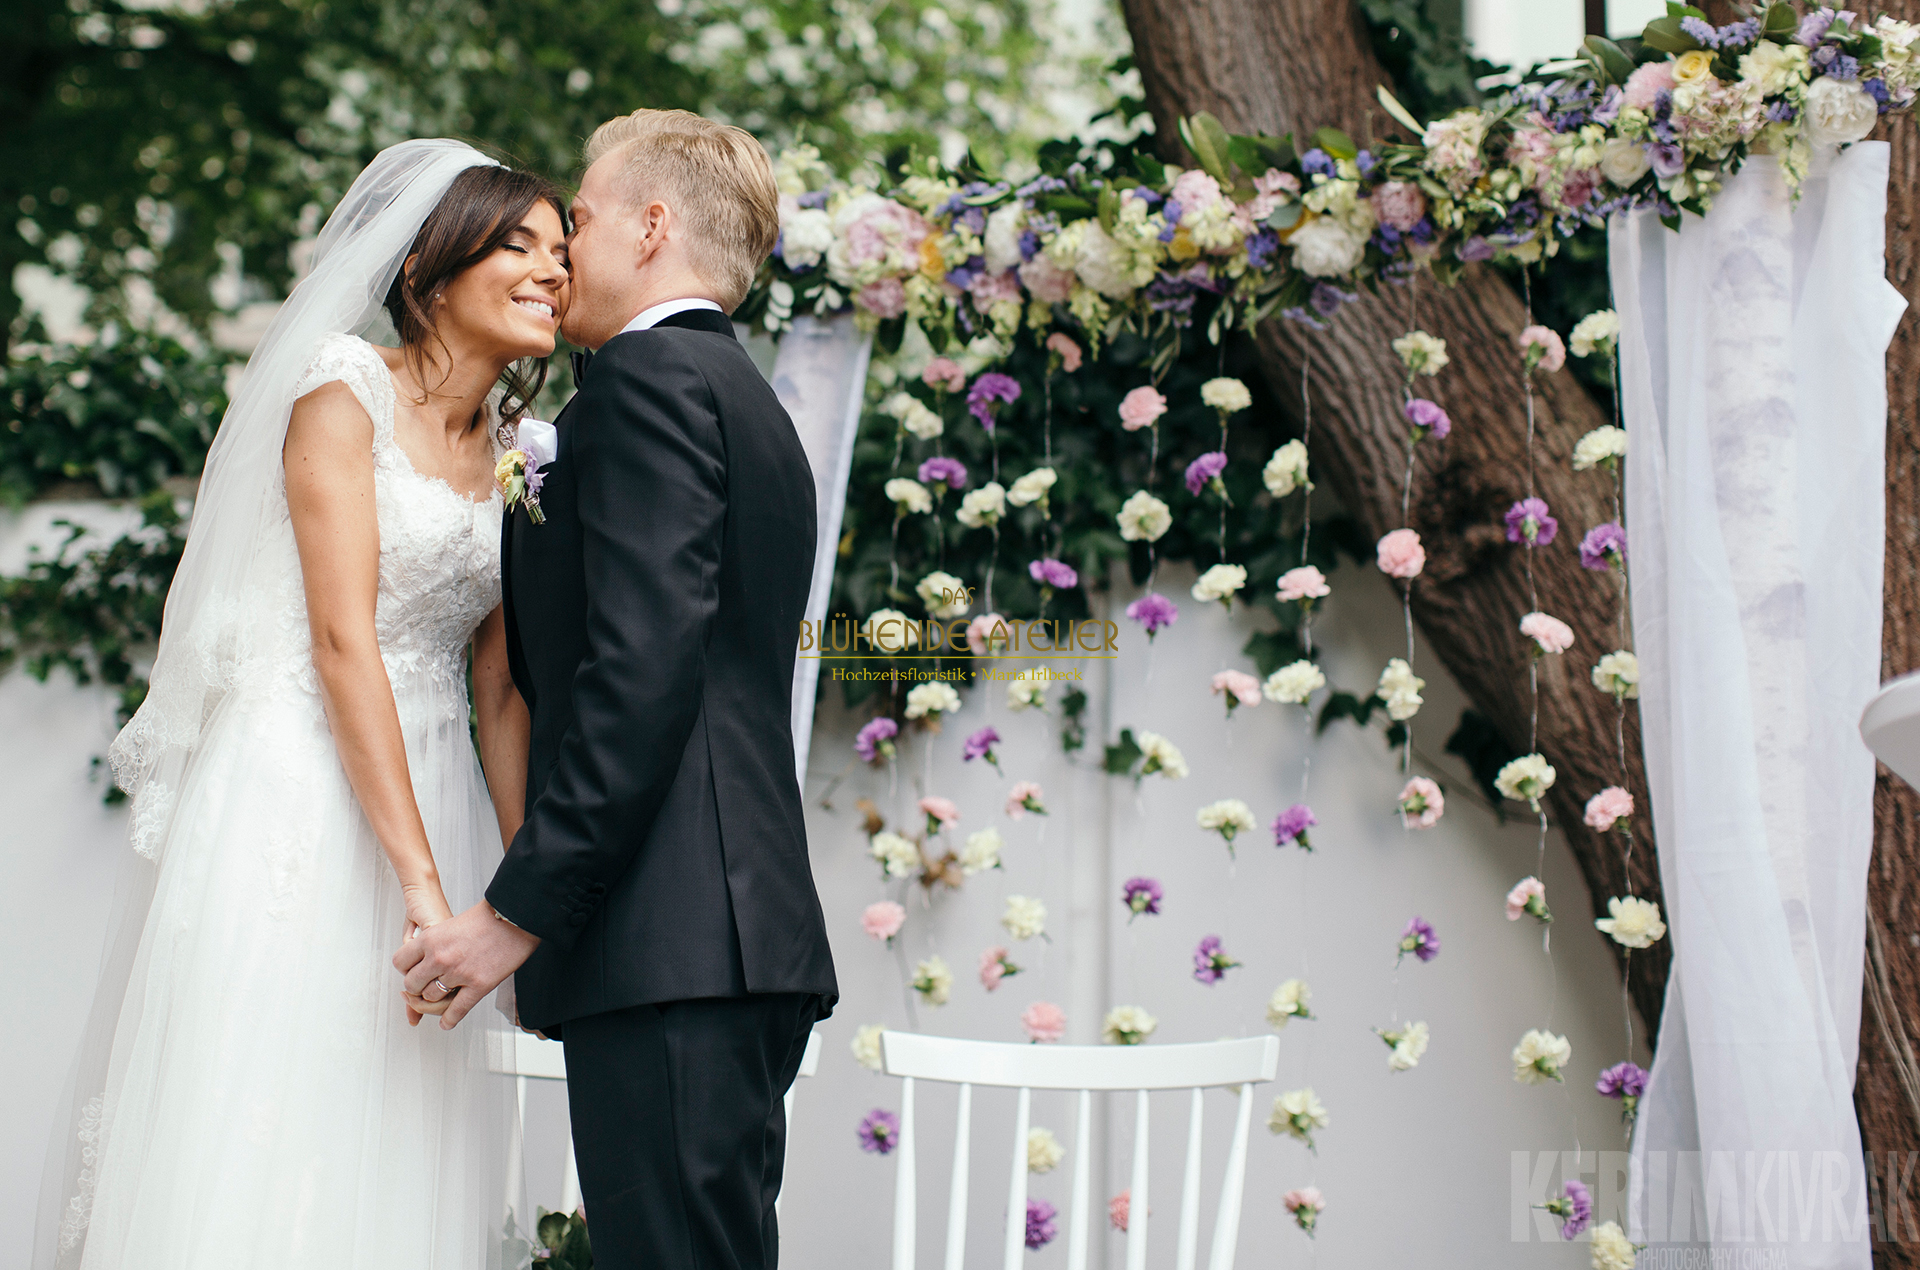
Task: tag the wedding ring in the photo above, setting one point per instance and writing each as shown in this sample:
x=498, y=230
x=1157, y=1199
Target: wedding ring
x=443, y=987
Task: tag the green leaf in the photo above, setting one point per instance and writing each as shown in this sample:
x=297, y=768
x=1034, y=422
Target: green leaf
x=1344, y=705
x=1206, y=139
x=1609, y=59
x=1121, y=758
x=1665, y=34
x=1271, y=650
x=1109, y=206
x=552, y=1228
x=1284, y=217
x=1336, y=143
x=1676, y=11
x=1151, y=170
x=1781, y=22
x=1399, y=112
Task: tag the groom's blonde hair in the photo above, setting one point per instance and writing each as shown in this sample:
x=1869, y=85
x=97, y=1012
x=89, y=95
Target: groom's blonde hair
x=717, y=179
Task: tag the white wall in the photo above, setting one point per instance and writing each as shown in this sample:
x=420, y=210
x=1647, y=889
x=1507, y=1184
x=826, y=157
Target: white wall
x=1412, y=1160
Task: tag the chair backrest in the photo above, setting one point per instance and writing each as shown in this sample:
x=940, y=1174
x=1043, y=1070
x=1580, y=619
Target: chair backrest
x=1084, y=1068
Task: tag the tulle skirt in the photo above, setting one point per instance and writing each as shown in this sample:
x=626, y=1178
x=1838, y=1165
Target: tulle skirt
x=262, y=1101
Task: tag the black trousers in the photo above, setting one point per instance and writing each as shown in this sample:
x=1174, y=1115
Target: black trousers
x=679, y=1130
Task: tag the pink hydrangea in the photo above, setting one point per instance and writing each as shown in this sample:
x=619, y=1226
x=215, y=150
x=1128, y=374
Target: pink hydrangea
x=1141, y=407
x=883, y=920
x=886, y=298
x=1421, y=804
x=1195, y=189
x=1399, y=205
x=1046, y=281
x=1607, y=806
x=944, y=372
x=1303, y=583
x=881, y=227
x=1239, y=687
x=939, y=809
x=1044, y=1021
x=1648, y=82
x=1023, y=793
x=991, y=287
x=1068, y=350
x=1553, y=353
x=1401, y=555
x=1523, y=893
x=1549, y=633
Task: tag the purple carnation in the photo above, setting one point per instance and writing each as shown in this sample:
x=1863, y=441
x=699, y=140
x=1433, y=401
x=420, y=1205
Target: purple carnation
x=877, y=733
x=1601, y=542
x=1204, y=469
x=1622, y=1080
x=1578, y=1209
x=1057, y=574
x=1422, y=413
x=1290, y=826
x=1211, y=962
x=1153, y=611
x=1142, y=895
x=1040, y=1215
x=986, y=390
x=1528, y=521
x=1418, y=938
x=940, y=468
x=980, y=745
x=880, y=1132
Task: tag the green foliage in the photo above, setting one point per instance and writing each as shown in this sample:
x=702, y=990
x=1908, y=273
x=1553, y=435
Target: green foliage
x=1347, y=705
x=122, y=415
x=564, y=1236
x=1122, y=758
x=1422, y=45
x=1479, y=744
x=1073, y=716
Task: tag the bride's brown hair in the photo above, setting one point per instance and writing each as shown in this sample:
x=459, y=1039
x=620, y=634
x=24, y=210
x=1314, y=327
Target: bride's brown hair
x=482, y=207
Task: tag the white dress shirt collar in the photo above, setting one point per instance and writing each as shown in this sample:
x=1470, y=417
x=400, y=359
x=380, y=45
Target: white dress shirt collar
x=661, y=312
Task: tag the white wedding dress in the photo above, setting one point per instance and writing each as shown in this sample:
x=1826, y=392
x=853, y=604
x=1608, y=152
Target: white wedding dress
x=266, y=1104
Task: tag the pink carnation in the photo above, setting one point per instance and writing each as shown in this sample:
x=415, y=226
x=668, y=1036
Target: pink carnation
x=944, y=372
x=1044, y=1021
x=1523, y=890
x=1607, y=806
x=982, y=628
x=1238, y=684
x=991, y=287
x=1399, y=205
x=1401, y=555
x=1421, y=804
x=1018, y=796
x=1274, y=181
x=1068, y=350
x=883, y=920
x=1303, y=583
x=886, y=298
x=993, y=967
x=1141, y=407
x=1046, y=281
x=1553, y=354
x=940, y=809
x=1118, y=1208
x=1648, y=82
x=1550, y=633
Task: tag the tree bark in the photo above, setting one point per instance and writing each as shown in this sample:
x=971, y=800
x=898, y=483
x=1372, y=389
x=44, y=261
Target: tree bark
x=1282, y=66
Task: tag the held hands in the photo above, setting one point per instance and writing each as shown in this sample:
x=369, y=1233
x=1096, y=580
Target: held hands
x=426, y=906
x=452, y=964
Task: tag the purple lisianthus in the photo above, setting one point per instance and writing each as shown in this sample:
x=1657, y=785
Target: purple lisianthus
x=1142, y=895
x=1422, y=413
x=1529, y=521
x=1327, y=298
x=989, y=388
x=942, y=470
x=1573, y=1206
x=1610, y=102
x=1603, y=546
x=1667, y=159
x=1475, y=248
x=1290, y=827
x=876, y=739
x=1205, y=469
x=980, y=745
x=1057, y=574
x=1153, y=611
x=1040, y=1228
x=1419, y=939
x=1622, y=1080
x=880, y=1132
x=1211, y=962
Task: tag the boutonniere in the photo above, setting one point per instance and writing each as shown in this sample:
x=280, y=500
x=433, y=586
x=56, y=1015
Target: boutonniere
x=521, y=470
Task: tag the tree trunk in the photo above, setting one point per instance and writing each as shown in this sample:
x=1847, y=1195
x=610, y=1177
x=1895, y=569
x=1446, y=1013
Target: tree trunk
x=1297, y=65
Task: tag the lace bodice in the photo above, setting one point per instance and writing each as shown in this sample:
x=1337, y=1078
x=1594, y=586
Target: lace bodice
x=439, y=550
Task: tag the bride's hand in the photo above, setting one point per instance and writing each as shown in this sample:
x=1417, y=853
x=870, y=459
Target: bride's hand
x=426, y=906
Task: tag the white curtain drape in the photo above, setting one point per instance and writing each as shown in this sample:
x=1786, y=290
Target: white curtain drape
x=820, y=376
x=1753, y=387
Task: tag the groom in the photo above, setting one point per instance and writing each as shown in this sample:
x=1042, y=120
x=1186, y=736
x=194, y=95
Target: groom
x=657, y=903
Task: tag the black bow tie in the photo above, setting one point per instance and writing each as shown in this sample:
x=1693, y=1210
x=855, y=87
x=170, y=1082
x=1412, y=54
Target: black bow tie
x=581, y=360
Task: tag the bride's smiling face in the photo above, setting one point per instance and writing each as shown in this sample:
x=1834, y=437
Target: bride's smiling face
x=510, y=303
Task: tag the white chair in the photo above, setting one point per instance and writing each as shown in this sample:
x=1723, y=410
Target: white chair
x=530, y=1058
x=1084, y=1068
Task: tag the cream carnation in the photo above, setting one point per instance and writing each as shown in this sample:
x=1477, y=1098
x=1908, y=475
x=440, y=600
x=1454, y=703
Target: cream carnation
x=1226, y=395
x=943, y=594
x=1024, y=917
x=1632, y=921
x=933, y=981
x=1288, y=1002
x=866, y=1047
x=1027, y=690
x=1421, y=353
x=1127, y=1025
x=1162, y=756
x=1220, y=583
x=1409, y=1044
x=1297, y=1113
x=931, y=699
x=1144, y=518
x=898, y=857
x=1325, y=248
x=1227, y=817
x=1618, y=673
x=981, y=852
x=1294, y=683
x=908, y=497
x=1539, y=1057
x=1400, y=689
x=1525, y=779
x=1044, y=1151
x=1033, y=487
x=983, y=507
x=891, y=631
x=1611, y=1249
x=1286, y=471
x=1594, y=333
x=1598, y=446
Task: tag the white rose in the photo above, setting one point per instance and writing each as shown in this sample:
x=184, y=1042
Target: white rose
x=1294, y=684
x=805, y=237
x=1324, y=248
x=1226, y=394
x=1603, y=443
x=931, y=698
x=982, y=852
x=866, y=1047
x=1002, y=241
x=1220, y=582
x=1839, y=111
x=1024, y=917
x=1623, y=162
x=1143, y=518
x=1633, y=922
x=1286, y=471
x=898, y=857
x=982, y=507
x=1032, y=487
x=910, y=497
x=891, y=631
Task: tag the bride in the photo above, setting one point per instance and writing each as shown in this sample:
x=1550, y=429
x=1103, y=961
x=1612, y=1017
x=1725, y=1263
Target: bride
x=305, y=791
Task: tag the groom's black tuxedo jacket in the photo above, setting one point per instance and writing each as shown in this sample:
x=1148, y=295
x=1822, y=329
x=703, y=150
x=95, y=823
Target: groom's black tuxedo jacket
x=652, y=625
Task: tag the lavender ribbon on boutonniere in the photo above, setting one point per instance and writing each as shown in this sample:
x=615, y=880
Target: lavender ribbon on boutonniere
x=521, y=470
